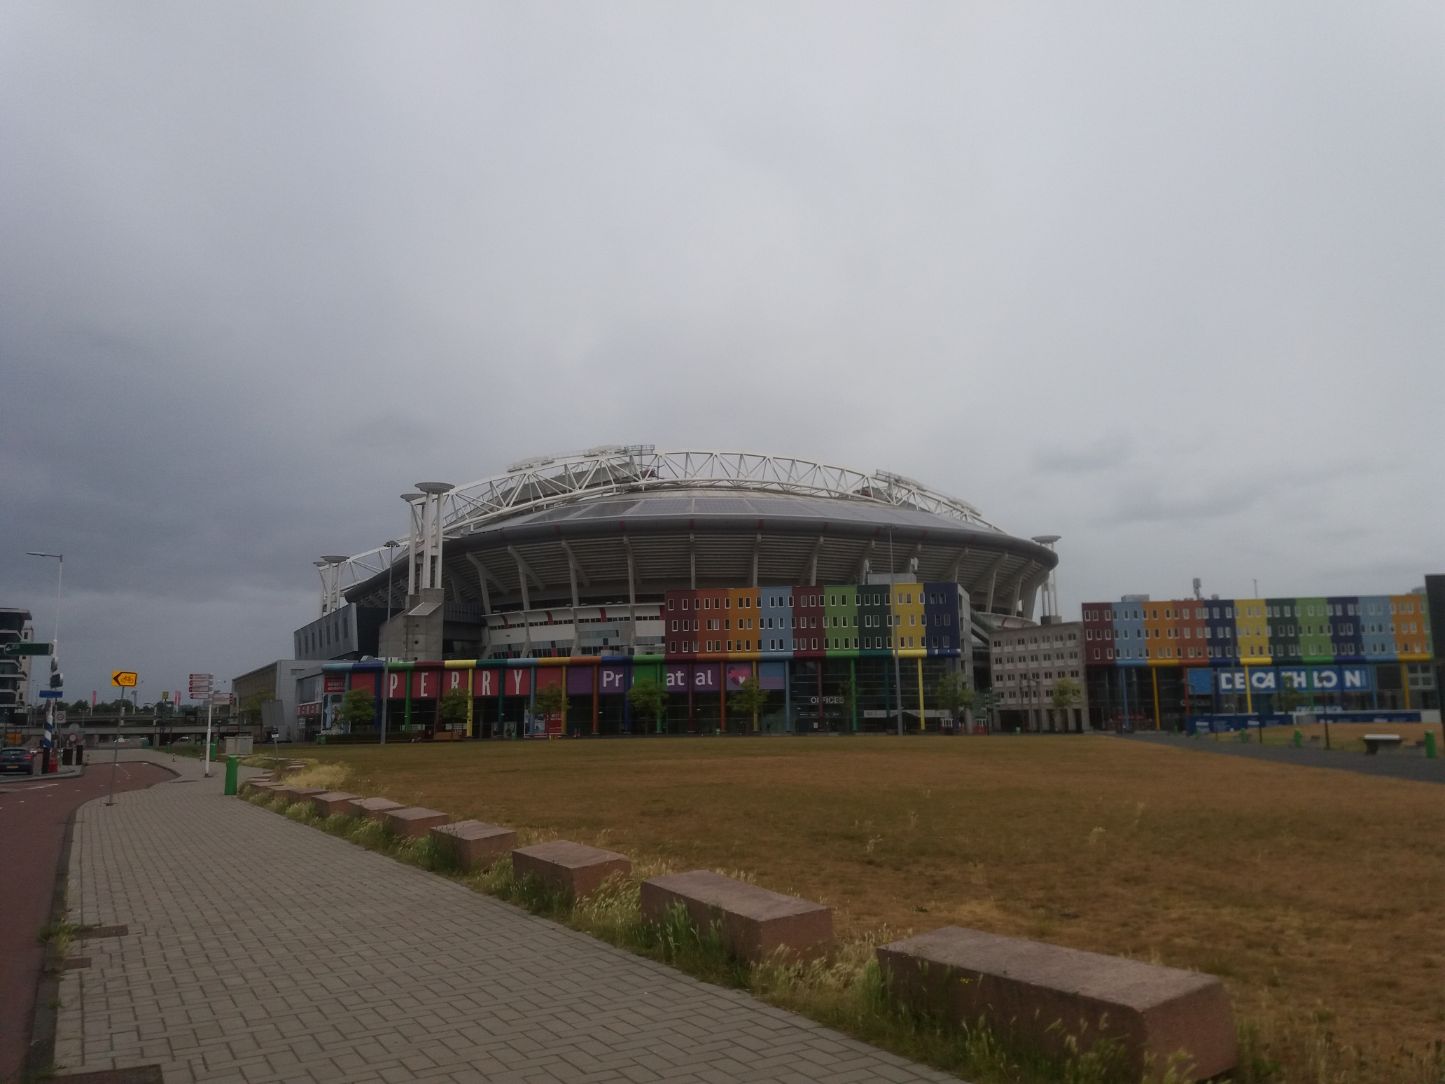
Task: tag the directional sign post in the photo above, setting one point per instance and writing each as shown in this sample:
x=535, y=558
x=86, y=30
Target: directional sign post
x=27, y=647
x=200, y=689
x=123, y=679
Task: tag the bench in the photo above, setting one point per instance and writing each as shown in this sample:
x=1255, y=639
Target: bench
x=370, y=808
x=412, y=822
x=474, y=845
x=1375, y=742
x=329, y=803
x=1042, y=995
x=569, y=867
x=752, y=922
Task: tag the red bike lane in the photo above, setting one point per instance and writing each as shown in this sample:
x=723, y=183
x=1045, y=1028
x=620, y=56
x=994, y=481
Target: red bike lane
x=33, y=819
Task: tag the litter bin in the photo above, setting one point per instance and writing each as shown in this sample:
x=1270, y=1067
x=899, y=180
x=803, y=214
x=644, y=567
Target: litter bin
x=232, y=771
x=1430, y=744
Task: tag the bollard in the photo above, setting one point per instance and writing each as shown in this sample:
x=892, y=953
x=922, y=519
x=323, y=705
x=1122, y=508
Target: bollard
x=1299, y=738
x=232, y=770
x=1430, y=744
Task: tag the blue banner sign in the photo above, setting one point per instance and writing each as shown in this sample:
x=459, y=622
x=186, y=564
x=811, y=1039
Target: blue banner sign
x=1314, y=679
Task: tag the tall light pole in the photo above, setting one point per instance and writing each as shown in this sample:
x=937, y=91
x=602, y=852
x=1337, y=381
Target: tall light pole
x=47, y=743
x=390, y=548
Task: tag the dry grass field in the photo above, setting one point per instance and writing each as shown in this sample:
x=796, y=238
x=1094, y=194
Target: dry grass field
x=1317, y=895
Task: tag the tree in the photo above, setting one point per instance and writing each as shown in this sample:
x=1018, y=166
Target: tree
x=250, y=711
x=453, y=707
x=849, y=689
x=80, y=705
x=358, y=709
x=552, y=700
x=954, y=694
x=1288, y=699
x=1066, y=694
x=649, y=700
x=747, y=700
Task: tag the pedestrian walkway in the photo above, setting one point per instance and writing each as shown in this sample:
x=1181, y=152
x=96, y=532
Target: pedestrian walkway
x=258, y=949
x=1394, y=765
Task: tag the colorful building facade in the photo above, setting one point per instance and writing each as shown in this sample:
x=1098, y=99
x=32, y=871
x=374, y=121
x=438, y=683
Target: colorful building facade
x=839, y=658
x=1157, y=663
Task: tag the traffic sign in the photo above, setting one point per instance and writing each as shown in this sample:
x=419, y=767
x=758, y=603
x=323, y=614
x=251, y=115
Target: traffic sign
x=200, y=687
x=50, y=694
x=123, y=679
x=27, y=647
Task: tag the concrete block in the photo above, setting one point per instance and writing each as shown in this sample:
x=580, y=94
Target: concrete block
x=753, y=922
x=371, y=808
x=474, y=844
x=569, y=867
x=1041, y=994
x=331, y=802
x=413, y=821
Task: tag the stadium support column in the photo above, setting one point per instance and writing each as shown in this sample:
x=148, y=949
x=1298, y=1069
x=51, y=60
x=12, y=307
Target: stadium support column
x=413, y=538
x=522, y=571
x=432, y=531
x=596, y=704
x=1154, y=681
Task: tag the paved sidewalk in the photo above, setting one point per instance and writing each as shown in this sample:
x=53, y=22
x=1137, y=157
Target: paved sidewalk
x=1401, y=764
x=263, y=950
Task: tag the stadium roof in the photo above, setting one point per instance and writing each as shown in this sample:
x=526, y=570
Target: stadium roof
x=708, y=518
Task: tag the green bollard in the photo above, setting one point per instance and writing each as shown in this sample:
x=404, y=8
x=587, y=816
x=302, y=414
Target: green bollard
x=233, y=769
x=1430, y=744
x=1299, y=739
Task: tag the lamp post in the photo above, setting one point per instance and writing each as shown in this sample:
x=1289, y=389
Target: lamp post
x=385, y=674
x=47, y=743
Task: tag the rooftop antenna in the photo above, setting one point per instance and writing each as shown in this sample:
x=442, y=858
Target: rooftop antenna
x=1197, y=585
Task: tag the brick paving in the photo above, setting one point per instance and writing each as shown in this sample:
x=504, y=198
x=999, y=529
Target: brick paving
x=262, y=950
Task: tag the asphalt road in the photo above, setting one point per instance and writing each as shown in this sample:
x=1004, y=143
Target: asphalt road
x=33, y=816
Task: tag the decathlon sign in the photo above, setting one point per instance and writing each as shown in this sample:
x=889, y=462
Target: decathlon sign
x=1314, y=679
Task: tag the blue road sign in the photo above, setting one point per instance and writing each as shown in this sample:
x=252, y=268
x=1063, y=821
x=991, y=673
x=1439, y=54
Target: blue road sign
x=51, y=694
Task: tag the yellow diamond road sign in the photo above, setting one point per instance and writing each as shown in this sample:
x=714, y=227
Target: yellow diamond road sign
x=125, y=679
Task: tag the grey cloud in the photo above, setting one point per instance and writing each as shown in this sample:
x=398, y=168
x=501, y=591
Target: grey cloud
x=1090, y=269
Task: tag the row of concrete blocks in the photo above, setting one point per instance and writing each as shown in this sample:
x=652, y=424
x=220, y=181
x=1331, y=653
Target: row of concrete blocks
x=1054, y=998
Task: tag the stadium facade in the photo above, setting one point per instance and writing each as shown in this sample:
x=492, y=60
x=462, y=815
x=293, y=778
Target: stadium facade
x=847, y=595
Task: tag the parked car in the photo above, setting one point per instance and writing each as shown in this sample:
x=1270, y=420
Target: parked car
x=18, y=758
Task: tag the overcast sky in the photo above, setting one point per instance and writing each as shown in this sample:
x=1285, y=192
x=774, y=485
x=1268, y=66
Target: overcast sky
x=1163, y=278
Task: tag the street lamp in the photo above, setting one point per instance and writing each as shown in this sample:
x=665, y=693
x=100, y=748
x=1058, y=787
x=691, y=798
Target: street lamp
x=390, y=548
x=56, y=679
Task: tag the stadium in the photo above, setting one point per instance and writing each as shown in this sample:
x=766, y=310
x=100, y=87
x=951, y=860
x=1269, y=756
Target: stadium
x=845, y=594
